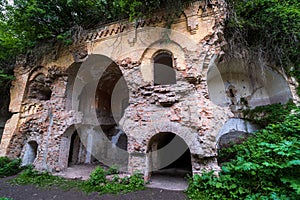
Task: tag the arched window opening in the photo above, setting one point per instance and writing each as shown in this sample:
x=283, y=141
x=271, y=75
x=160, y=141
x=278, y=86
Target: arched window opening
x=74, y=149
x=30, y=153
x=164, y=74
x=38, y=89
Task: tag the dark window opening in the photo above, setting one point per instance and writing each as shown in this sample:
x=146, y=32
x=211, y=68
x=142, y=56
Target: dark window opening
x=38, y=89
x=231, y=93
x=164, y=74
x=227, y=141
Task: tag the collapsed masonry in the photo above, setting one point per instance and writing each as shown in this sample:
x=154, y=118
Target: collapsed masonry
x=124, y=91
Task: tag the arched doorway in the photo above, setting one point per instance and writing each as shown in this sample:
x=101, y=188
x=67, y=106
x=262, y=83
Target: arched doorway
x=168, y=154
x=30, y=153
x=74, y=149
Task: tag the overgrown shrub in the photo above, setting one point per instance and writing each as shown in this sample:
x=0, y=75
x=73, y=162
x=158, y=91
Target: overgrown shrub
x=112, y=170
x=98, y=182
x=9, y=167
x=97, y=177
x=266, y=166
x=267, y=114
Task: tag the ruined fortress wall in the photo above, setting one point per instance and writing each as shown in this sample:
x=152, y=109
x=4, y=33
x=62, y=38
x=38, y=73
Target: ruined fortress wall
x=47, y=92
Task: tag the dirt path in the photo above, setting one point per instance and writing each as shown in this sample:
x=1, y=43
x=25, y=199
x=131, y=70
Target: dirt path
x=29, y=192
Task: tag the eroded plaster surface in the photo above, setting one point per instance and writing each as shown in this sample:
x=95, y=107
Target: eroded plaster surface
x=79, y=104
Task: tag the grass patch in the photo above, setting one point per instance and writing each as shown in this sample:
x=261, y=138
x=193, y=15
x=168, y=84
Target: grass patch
x=9, y=167
x=96, y=182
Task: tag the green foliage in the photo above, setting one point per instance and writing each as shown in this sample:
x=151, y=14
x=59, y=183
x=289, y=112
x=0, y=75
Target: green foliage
x=264, y=115
x=266, y=166
x=112, y=170
x=97, y=177
x=4, y=77
x=25, y=23
x=98, y=183
x=270, y=29
x=9, y=167
x=95, y=183
x=43, y=179
x=4, y=198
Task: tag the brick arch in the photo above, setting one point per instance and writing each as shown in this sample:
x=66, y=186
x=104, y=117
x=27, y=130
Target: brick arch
x=189, y=136
x=154, y=49
x=33, y=74
x=30, y=152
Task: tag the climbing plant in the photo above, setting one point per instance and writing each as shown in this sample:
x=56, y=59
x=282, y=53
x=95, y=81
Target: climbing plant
x=265, y=32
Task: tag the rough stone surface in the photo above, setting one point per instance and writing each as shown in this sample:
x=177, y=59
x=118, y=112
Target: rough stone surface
x=80, y=82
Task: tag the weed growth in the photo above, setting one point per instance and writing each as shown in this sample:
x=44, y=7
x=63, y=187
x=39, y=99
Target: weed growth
x=266, y=166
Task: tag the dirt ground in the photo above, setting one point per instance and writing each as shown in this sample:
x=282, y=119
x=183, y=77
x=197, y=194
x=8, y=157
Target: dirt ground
x=28, y=192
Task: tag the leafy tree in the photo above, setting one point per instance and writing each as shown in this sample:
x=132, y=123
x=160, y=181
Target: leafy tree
x=25, y=23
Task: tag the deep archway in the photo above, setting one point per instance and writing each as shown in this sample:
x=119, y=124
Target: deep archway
x=101, y=94
x=112, y=96
x=168, y=154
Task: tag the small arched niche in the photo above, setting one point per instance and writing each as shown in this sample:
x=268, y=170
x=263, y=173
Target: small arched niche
x=164, y=73
x=30, y=153
x=74, y=150
x=38, y=88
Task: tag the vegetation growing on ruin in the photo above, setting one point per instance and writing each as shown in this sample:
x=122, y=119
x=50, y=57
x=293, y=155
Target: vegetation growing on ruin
x=264, y=29
x=265, y=32
x=9, y=167
x=25, y=23
x=268, y=114
x=97, y=181
x=266, y=166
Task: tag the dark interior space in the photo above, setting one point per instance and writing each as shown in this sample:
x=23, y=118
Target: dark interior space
x=172, y=157
x=164, y=74
x=74, y=149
